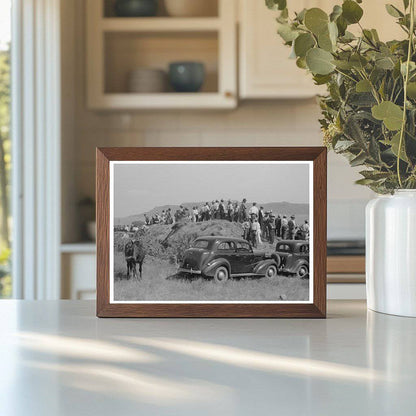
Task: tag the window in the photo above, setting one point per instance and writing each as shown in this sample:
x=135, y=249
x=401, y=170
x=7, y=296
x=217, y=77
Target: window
x=283, y=247
x=5, y=159
x=226, y=245
x=243, y=247
x=200, y=244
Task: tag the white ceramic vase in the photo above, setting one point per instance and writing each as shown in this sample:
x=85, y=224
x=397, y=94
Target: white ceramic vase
x=391, y=253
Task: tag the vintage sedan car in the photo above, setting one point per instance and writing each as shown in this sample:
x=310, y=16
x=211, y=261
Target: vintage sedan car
x=292, y=256
x=221, y=258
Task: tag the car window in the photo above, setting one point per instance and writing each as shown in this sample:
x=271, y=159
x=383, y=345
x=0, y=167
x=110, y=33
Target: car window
x=200, y=244
x=283, y=247
x=226, y=245
x=243, y=247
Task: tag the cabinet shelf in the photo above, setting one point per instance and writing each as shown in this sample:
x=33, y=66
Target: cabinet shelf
x=167, y=100
x=159, y=24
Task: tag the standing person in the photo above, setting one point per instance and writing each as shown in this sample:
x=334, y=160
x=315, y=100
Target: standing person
x=194, y=214
x=246, y=230
x=212, y=213
x=254, y=231
x=271, y=228
x=221, y=209
x=254, y=210
x=230, y=210
x=242, y=211
x=304, y=229
x=235, y=215
x=261, y=219
x=279, y=226
x=285, y=228
x=292, y=227
x=169, y=219
x=265, y=229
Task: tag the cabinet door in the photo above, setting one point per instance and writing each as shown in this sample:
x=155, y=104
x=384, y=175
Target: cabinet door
x=265, y=68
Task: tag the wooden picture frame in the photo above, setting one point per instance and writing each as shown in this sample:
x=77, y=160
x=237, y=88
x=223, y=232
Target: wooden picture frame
x=315, y=308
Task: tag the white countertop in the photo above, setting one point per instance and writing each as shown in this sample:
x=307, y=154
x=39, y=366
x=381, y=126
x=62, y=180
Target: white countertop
x=57, y=359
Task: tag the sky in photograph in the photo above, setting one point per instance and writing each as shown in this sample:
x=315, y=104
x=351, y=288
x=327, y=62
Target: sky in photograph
x=139, y=188
x=5, y=21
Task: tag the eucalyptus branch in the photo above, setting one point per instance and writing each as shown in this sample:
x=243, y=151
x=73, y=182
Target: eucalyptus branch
x=406, y=80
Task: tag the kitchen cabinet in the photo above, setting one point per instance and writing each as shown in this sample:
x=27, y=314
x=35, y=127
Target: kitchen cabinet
x=118, y=45
x=265, y=70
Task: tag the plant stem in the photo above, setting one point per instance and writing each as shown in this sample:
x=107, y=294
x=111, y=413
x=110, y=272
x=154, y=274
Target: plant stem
x=406, y=80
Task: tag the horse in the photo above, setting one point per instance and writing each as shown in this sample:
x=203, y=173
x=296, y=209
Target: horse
x=134, y=253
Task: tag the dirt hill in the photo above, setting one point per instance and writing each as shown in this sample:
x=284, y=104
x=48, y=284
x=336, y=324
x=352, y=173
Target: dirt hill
x=168, y=242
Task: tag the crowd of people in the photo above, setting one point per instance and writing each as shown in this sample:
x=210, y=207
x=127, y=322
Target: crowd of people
x=257, y=223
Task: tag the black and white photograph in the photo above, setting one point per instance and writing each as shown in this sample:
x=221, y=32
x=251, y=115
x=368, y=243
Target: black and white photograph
x=211, y=231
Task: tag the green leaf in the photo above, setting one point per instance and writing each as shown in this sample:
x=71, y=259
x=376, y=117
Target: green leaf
x=375, y=35
x=385, y=63
x=374, y=150
x=412, y=67
x=393, y=11
x=336, y=12
x=394, y=145
x=391, y=114
x=358, y=160
x=324, y=42
x=321, y=79
x=363, y=86
x=342, y=25
x=301, y=63
x=343, y=65
x=319, y=61
x=303, y=43
x=316, y=20
x=358, y=61
x=364, y=181
x=374, y=175
x=286, y=32
x=343, y=145
x=300, y=17
x=351, y=11
x=348, y=37
x=411, y=90
x=276, y=4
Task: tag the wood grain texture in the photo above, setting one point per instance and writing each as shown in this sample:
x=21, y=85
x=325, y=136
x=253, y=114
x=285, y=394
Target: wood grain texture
x=346, y=264
x=212, y=310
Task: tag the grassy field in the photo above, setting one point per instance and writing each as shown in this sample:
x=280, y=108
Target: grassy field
x=155, y=286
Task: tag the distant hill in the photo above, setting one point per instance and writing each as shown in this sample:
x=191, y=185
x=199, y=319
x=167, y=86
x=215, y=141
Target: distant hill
x=283, y=208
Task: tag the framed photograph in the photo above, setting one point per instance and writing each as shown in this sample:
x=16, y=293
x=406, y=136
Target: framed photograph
x=211, y=232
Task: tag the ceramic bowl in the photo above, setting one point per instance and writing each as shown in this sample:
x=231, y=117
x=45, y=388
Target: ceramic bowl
x=147, y=80
x=186, y=76
x=135, y=8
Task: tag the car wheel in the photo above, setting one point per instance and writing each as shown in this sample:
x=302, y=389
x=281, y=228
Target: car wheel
x=271, y=272
x=303, y=272
x=221, y=274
